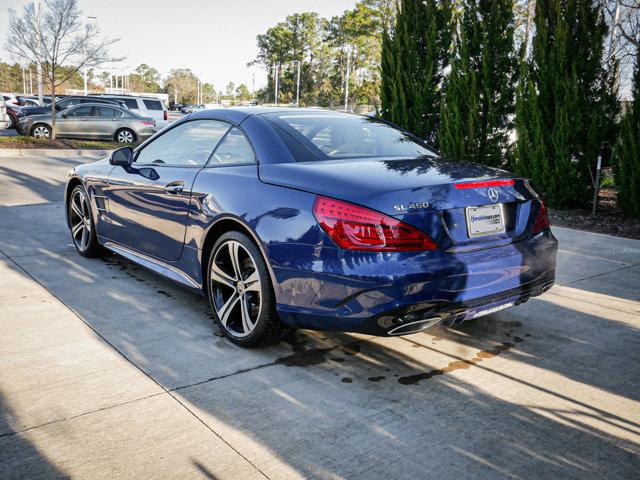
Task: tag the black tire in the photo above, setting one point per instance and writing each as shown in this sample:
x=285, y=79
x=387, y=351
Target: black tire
x=130, y=136
x=267, y=327
x=14, y=122
x=41, y=127
x=82, y=215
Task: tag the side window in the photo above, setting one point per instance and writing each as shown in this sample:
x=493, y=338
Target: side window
x=108, y=112
x=131, y=103
x=233, y=150
x=188, y=144
x=153, y=104
x=80, y=112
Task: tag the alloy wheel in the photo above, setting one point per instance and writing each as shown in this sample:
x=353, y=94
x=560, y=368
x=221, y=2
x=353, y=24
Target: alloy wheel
x=236, y=288
x=80, y=220
x=125, y=136
x=41, y=132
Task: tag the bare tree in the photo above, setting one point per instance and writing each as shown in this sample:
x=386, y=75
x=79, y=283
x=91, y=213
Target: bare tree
x=51, y=35
x=623, y=18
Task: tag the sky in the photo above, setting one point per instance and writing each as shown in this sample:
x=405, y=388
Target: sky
x=215, y=39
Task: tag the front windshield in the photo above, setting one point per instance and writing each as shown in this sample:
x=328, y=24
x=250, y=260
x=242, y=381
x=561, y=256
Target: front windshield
x=340, y=136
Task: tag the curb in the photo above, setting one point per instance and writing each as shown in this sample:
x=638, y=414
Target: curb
x=52, y=152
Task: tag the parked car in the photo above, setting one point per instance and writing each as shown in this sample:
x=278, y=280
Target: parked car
x=100, y=121
x=5, y=121
x=9, y=98
x=12, y=114
x=192, y=108
x=145, y=106
x=65, y=103
x=27, y=102
x=306, y=218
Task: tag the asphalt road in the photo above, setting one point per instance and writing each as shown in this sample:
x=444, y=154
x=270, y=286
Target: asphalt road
x=108, y=371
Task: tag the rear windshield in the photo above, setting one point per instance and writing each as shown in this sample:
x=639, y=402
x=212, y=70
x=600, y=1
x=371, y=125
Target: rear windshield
x=339, y=135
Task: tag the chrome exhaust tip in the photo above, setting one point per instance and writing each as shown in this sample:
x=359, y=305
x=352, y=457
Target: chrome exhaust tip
x=414, y=327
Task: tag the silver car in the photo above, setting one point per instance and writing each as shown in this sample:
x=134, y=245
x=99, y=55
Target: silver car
x=91, y=121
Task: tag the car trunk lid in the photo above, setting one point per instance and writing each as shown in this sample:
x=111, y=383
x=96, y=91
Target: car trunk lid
x=428, y=193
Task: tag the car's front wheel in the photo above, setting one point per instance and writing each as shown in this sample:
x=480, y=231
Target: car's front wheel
x=41, y=131
x=241, y=293
x=81, y=224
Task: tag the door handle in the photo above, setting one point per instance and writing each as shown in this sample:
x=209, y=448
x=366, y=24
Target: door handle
x=174, y=187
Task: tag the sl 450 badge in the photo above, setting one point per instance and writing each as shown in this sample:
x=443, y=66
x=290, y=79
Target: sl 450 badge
x=411, y=206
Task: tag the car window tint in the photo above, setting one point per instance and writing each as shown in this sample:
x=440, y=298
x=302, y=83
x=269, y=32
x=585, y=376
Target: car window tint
x=188, y=144
x=80, y=112
x=108, y=112
x=234, y=149
x=153, y=104
x=130, y=102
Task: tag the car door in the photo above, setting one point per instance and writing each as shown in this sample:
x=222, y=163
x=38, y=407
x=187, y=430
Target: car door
x=148, y=201
x=105, y=121
x=73, y=121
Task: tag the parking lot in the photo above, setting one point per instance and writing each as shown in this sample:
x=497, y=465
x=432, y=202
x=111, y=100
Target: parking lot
x=107, y=371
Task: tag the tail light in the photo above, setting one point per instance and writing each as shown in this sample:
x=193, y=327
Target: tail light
x=148, y=123
x=165, y=115
x=542, y=220
x=353, y=227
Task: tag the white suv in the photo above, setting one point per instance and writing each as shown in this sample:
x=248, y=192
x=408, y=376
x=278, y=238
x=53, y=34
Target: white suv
x=5, y=121
x=145, y=106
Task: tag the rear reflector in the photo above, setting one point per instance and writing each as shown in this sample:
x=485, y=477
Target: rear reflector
x=485, y=183
x=542, y=220
x=353, y=227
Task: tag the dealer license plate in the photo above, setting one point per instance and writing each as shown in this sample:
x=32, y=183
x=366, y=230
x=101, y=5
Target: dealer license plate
x=485, y=220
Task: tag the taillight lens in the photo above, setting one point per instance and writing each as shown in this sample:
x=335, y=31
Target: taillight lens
x=353, y=227
x=148, y=123
x=542, y=220
x=165, y=116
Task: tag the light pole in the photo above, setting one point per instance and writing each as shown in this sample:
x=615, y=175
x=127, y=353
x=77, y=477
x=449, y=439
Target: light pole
x=346, y=81
x=298, y=86
x=276, y=85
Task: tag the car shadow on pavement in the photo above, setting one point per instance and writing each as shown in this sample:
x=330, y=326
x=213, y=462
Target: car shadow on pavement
x=505, y=395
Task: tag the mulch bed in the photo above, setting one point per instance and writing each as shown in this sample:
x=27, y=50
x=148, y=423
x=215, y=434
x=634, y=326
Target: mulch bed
x=608, y=219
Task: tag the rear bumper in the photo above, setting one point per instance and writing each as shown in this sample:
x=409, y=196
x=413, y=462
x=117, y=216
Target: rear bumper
x=446, y=288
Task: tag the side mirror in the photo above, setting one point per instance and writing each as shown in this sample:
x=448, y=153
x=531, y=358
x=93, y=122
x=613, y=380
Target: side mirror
x=63, y=115
x=122, y=156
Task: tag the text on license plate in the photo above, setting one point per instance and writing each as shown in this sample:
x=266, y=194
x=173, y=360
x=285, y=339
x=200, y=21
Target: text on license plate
x=485, y=220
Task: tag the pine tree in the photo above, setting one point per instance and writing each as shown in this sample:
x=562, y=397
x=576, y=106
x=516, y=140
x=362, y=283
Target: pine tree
x=414, y=56
x=479, y=92
x=627, y=153
x=566, y=101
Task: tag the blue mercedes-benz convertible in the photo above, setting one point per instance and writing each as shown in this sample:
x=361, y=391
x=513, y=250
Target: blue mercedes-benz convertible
x=300, y=218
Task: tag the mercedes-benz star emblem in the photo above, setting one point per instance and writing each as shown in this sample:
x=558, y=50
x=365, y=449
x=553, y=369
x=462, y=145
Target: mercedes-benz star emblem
x=493, y=194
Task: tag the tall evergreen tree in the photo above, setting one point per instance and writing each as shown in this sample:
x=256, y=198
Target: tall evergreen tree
x=627, y=152
x=566, y=101
x=414, y=56
x=479, y=91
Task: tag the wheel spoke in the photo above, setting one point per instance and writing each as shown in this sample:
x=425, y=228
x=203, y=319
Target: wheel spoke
x=85, y=237
x=217, y=275
x=252, y=283
x=75, y=208
x=76, y=229
x=234, y=254
x=226, y=309
x=247, y=324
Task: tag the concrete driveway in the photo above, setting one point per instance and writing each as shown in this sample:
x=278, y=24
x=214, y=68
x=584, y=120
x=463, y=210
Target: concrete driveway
x=108, y=371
